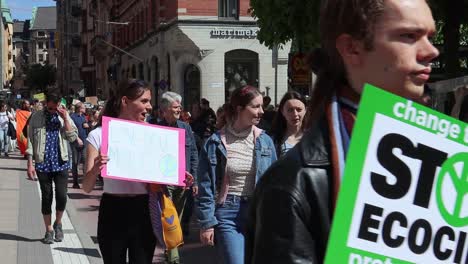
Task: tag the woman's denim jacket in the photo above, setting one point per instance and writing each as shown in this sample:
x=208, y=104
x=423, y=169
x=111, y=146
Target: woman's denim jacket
x=212, y=181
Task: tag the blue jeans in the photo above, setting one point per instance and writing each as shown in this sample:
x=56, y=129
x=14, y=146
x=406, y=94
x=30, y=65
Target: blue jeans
x=3, y=140
x=229, y=233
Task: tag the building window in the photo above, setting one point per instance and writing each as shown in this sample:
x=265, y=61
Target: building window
x=133, y=72
x=41, y=57
x=228, y=8
x=191, y=86
x=141, y=72
x=40, y=45
x=41, y=33
x=14, y=58
x=153, y=13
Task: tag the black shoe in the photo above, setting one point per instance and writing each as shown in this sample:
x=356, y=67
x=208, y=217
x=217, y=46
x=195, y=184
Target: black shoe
x=58, y=232
x=76, y=186
x=48, y=237
x=6, y=155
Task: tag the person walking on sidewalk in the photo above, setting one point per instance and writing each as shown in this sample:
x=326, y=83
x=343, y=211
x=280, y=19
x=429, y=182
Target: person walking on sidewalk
x=5, y=119
x=182, y=197
x=49, y=131
x=22, y=116
x=386, y=43
x=124, y=222
x=288, y=125
x=78, y=146
x=231, y=162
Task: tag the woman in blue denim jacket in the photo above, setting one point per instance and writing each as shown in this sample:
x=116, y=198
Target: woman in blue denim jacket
x=230, y=164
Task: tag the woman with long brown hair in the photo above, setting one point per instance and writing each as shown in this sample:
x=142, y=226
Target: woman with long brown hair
x=124, y=223
x=230, y=164
x=288, y=125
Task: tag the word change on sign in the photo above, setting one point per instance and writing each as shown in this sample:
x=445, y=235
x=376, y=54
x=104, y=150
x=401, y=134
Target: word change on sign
x=404, y=196
x=143, y=152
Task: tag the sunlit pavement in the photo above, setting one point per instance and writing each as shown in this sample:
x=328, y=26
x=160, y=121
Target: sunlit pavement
x=21, y=224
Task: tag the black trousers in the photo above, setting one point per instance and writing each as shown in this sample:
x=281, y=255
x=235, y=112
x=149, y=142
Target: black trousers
x=60, y=179
x=124, y=225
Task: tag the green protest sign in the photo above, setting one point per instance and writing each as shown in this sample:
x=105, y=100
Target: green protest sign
x=404, y=195
x=63, y=101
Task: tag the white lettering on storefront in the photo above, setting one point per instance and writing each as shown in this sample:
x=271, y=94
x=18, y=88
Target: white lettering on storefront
x=234, y=33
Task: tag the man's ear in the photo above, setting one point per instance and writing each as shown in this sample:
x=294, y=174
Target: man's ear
x=350, y=49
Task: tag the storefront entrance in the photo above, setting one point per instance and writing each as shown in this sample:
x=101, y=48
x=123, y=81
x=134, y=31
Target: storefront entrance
x=240, y=69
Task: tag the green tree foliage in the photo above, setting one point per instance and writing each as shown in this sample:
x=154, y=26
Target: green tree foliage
x=40, y=76
x=283, y=20
x=297, y=20
x=452, y=32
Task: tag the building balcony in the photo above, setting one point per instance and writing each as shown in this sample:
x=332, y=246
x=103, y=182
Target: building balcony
x=99, y=49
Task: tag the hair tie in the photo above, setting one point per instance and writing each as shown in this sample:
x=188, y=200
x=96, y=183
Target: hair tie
x=244, y=91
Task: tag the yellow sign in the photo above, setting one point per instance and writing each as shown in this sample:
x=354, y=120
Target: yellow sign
x=92, y=100
x=40, y=97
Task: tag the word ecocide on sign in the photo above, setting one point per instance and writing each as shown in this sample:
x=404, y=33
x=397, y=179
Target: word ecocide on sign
x=394, y=228
x=241, y=33
x=403, y=197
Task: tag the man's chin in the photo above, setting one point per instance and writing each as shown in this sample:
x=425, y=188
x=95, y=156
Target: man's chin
x=414, y=92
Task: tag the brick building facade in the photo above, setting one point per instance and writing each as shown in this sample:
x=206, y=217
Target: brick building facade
x=198, y=48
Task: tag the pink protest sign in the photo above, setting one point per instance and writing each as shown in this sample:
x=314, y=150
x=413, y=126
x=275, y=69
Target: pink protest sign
x=142, y=152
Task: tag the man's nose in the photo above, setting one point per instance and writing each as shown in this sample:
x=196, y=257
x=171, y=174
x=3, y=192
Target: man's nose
x=428, y=52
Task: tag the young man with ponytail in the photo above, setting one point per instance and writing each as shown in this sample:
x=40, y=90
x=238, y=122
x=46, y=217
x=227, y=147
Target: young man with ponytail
x=386, y=43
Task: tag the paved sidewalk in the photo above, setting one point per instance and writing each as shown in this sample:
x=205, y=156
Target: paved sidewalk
x=22, y=228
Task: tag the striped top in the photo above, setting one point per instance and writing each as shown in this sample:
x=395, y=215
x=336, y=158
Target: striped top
x=240, y=161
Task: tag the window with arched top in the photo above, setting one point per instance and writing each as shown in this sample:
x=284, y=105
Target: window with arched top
x=191, y=86
x=141, y=73
x=133, y=72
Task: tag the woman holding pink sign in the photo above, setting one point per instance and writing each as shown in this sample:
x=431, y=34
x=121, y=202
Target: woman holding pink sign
x=124, y=223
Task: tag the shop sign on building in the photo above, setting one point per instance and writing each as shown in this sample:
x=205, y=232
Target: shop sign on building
x=240, y=33
x=300, y=69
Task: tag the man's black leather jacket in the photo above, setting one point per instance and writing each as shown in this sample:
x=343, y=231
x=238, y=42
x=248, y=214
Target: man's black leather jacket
x=290, y=215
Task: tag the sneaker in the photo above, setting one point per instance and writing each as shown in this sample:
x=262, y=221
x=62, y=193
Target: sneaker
x=58, y=232
x=48, y=237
